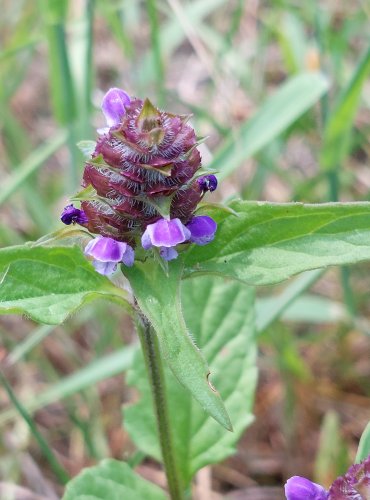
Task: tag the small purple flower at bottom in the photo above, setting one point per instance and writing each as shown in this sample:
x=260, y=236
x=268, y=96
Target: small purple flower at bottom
x=71, y=215
x=107, y=253
x=202, y=229
x=208, y=183
x=300, y=488
x=113, y=106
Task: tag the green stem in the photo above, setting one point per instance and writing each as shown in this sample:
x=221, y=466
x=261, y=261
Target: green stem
x=154, y=366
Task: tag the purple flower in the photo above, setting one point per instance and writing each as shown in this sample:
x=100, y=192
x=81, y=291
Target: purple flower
x=113, y=106
x=107, y=253
x=208, y=183
x=202, y=229
x=71, y=215
x=300, y=488
x=164, y=233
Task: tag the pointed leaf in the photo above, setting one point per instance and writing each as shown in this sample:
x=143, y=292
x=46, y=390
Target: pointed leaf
x=158, y=295
x=335, y=141
x=48, y=284
x=111, y=480
x=220, y=317
x=270, y=242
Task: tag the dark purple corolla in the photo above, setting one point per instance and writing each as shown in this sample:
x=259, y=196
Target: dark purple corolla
x=107, y=253
x=72, y=215
x=208, y=183
x=202, y=229
x=353, y=485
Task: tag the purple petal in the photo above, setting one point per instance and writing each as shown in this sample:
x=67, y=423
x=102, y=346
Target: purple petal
x=105, y=268
x=208, y=183
x=202, y=229
x=164, y=233
x=146, y=241
x=300, y=488
x=168, y=253
x=113, y=106
x=104, y=249
x=129, y=256
x=71, y=215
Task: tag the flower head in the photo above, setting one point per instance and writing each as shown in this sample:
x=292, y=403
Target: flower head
x=141, y=182
x=202, y=229
x=300, y=488
x=107, y=253
x=208, y=183
x=353, y=485
x=71, y=215
x=114, y=106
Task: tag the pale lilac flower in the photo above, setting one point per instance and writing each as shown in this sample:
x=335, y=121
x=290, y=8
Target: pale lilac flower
x=71, y=215
x=107, y=253
x=164, y=233
x=208, y=183
x=300, y=488
x=202, y=229
x=113, y=106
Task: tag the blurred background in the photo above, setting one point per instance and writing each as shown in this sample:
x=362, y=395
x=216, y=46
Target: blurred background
x=222, y=61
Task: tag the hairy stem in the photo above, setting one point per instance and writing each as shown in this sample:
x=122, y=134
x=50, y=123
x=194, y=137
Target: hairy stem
x=154, y=366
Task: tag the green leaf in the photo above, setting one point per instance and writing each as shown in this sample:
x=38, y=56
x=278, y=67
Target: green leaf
x=270, y=242
x=335, y=142
x=363, y=450
x=281, y=110
x=158, y=296
x=332, y=455
x=111, y=480
x=48, y=284
x=219, y=314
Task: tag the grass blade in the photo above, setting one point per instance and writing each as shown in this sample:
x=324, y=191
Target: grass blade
x=98, y=370
x=32, y=164
x=59, y=471
x=293, y=98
